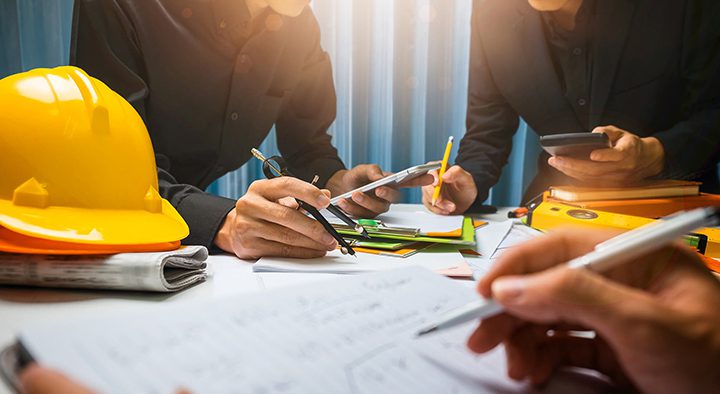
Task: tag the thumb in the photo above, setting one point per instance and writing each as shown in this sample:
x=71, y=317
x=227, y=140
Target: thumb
x=612, y=132
x=435, y=178
x=452, y=174
x=374, y=173
x=575, y=296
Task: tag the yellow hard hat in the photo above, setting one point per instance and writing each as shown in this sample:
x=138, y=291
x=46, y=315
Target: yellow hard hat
x=77, y=164
x=12, y=242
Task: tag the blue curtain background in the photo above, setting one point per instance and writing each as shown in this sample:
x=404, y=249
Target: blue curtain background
x=400, y=69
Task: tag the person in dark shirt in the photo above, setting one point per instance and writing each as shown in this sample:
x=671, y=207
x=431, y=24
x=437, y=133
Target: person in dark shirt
x=211, y=79
x=644, y=72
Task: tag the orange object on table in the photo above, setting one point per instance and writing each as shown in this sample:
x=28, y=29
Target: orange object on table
x=12, y=242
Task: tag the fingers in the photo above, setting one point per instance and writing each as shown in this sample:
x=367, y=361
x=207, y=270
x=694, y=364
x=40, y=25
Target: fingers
x=444, y=204
x=534, y=355
x=455, y=174
x=282, y=235
x=275, y=189
x=260, y=247
x=38, y=380
x=620, y=163
x=257, y=215
x=456, y=183
x=364, y=205
x=423, y=180
x=522, y=350
x=612, y=132
x=491, y=332
x=586, y=170
x=289, y=202
x=624, y=148
x=574, y=296
x=557, y=248
x=388, y=194
x=608, y=155
x=373, y=172
x=427, y=193
x=436, y=177
x=370, y=203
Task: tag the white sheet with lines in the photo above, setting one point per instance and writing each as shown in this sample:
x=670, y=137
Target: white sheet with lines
x=352, y=335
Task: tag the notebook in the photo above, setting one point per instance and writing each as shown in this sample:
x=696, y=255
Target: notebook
x=647, y=189
x=648, y=207
x=352, y=335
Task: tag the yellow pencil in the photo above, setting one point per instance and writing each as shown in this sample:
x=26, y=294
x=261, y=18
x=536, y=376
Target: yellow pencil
x=443, y=167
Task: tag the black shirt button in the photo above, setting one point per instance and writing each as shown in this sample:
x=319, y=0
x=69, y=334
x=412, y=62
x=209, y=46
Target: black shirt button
x=234, y=116
x=582, y=102
x=244, y=64
x=577, y=51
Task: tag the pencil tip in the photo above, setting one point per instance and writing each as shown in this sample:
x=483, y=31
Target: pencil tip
x=426, y=331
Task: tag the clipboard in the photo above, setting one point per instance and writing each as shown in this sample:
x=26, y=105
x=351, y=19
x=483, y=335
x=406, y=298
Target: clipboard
x=464, y=236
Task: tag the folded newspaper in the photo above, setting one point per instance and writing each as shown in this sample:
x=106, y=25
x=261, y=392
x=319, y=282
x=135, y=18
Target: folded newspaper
x=161, y=272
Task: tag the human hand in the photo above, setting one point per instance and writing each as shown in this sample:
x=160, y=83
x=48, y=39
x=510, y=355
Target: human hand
x=265, y=222
x=630, y=159
x=373, y=203
x=656, y=320
x=458, y=192
x=35, y=379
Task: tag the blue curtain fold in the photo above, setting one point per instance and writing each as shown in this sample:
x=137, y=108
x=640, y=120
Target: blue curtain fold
x=400, y=69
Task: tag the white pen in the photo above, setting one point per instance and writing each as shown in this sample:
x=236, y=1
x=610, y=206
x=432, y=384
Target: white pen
x=611, y=253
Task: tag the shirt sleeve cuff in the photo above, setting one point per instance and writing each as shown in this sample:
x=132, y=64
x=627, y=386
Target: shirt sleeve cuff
x=478, y=205
x=204, y=213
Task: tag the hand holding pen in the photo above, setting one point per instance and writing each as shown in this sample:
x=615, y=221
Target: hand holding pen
x=275, y=167
x=601, y=258
x=260, y=225
x=655, y=319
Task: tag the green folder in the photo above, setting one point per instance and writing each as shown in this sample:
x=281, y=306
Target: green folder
x=467, y=239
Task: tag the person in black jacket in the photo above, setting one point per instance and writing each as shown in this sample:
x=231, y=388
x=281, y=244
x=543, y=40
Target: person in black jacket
x=645, y=72
x=211, y=79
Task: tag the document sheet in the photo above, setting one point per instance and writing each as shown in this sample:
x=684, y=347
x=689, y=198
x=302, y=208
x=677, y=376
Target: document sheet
x=352, y=335
x=495, y=239
x=437, y=257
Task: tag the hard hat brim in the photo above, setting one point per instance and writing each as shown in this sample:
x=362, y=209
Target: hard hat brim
x=95, y=226
x=12, y=242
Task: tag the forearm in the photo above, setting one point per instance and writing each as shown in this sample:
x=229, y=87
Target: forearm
x=483, y=153
x=691, y=146
x=204, y=213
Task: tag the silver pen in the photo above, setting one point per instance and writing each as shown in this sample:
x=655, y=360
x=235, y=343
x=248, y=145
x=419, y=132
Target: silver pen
x=611, y=253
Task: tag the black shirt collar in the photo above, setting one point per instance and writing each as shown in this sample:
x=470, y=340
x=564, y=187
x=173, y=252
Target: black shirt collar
x=581, y=20
x=233, y=17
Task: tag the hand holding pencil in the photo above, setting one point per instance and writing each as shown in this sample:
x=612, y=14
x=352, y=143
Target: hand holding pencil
x=453, y=190
x=443, y=168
